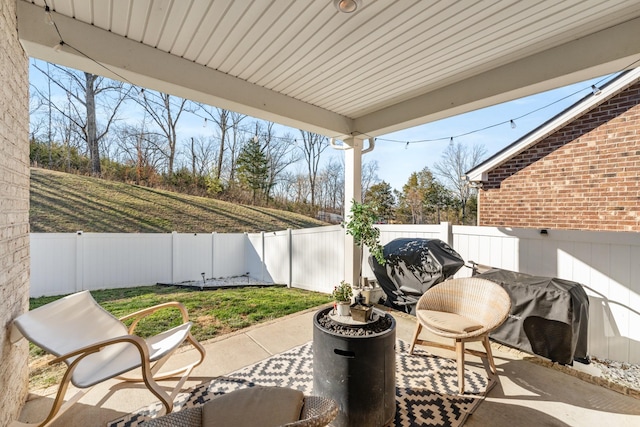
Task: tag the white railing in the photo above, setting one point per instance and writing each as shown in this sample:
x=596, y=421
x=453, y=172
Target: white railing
x=607, y=264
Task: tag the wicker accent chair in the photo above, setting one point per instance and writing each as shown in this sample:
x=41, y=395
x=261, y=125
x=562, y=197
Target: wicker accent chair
x=96, y=347
x=465, y=310
x=263, y=406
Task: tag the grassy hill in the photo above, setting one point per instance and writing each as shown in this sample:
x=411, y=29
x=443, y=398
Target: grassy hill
x=62, y=202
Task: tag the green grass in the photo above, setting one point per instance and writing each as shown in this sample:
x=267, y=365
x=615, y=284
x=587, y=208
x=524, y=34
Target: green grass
x=65, y=203
x=213, y=313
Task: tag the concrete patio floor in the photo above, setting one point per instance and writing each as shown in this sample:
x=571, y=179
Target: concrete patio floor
x=528, y=394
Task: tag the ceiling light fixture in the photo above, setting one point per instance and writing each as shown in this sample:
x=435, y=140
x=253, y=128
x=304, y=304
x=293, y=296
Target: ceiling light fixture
x=347, y=6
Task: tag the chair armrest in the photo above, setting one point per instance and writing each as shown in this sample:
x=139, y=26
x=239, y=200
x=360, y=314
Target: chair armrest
x=96, y=347
x=141, y=314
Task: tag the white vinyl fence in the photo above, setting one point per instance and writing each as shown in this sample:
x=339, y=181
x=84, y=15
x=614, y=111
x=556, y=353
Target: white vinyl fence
x=607, y=264
x=63, y=263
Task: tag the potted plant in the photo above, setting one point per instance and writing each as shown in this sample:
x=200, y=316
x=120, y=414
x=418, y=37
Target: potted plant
x=361, y=226
x=342, y=296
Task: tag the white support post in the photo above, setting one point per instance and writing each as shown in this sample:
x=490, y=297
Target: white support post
x=213, y=253
x=262, y=250
x=174, y=255
x=79, y=261
x=290, y=256
x=352, y=191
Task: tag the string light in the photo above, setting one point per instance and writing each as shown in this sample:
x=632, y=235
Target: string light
x=594, y=88
x=512, y=122
x=48, y=19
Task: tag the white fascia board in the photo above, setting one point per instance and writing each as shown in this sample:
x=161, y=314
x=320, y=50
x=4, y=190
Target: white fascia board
x=119, y=58
x=596, y=54
x=480, y=173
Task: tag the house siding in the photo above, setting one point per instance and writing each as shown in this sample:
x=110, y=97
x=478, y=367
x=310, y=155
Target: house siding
x=585, y=176
x=14, y=211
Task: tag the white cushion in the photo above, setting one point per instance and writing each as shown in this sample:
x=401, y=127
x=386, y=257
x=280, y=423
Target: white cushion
x=255, y=406
x=448, y=322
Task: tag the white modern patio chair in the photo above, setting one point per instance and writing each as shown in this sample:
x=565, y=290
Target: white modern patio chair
x=96, y=346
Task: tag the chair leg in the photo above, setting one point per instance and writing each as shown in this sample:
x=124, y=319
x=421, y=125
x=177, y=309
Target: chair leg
x=415, y=337
x=460, y=361
x=487, y=348
x=59, y=406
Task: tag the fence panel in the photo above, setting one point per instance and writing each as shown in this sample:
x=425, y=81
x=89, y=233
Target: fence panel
x=604, y=262
x=192, y=255
x=317, y=256
x=277, y=259
x=254, y=254
x=229, y=251
x=53, y=263
x=119, y=260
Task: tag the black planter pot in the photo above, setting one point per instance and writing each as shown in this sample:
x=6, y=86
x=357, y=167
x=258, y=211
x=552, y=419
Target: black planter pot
x=358, y=372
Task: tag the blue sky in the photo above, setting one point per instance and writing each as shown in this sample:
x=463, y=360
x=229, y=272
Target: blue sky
x=397, y=160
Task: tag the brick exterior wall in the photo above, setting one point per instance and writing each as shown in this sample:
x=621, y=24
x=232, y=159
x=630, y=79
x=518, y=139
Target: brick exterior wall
x=585, y=176
x=14, y=211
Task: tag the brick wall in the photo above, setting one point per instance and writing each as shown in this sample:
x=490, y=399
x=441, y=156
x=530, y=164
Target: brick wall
x=584, y=176
x=14, y=210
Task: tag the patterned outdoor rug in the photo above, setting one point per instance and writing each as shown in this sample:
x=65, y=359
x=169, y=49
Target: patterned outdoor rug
x=426, y=387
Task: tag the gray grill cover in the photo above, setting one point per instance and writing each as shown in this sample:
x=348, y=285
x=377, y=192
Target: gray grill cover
x=413, y=266
x=549, y=316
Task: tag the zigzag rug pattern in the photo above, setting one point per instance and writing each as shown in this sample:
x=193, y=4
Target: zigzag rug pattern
x=426, y=387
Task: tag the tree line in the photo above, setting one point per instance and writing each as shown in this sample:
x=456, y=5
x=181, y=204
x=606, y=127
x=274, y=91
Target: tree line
x=84, y=123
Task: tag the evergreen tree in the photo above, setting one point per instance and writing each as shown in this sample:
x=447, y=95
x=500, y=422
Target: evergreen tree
x=423, y=199
x=380, y=197
x=252, y=167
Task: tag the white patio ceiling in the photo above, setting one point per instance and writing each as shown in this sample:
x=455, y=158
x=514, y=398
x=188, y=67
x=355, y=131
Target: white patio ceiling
x=388, y=66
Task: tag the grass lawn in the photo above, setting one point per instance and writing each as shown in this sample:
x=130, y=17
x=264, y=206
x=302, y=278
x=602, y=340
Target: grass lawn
x=65, y=203
x=213, y=313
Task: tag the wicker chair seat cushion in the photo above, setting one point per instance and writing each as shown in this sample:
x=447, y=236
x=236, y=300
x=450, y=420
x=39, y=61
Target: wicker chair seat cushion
x=448, y=322
x=255, y=406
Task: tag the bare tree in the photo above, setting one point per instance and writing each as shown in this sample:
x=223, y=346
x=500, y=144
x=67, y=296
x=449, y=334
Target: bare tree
x=456, y=160
x=280, y=152
x=136, y=146
x=85, y=93
x=165, y=113
x=331, y=186
x=369, y=176
x=235, y=142
x=226, y=123
x=203, y=152
x=312, y=147
x=299, y=187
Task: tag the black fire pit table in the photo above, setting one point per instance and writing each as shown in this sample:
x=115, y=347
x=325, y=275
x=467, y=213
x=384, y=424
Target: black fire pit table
x=354, y=363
